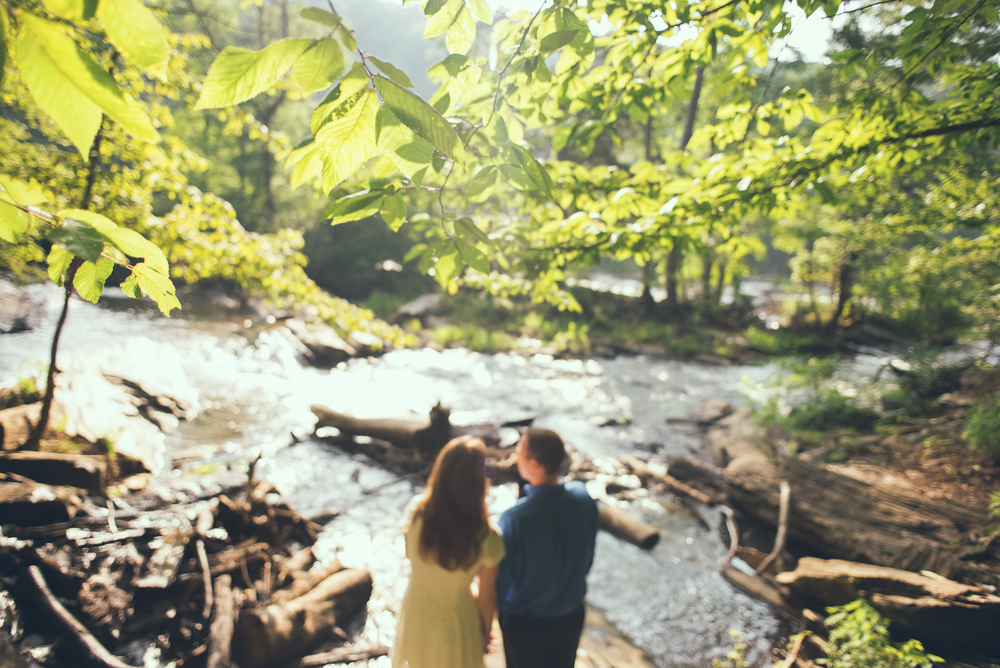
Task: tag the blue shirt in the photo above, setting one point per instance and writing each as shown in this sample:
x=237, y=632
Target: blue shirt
x=549, y=536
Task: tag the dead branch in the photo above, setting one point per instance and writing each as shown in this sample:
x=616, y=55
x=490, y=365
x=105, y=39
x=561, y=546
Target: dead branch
x=92, y=650
x=779, y=539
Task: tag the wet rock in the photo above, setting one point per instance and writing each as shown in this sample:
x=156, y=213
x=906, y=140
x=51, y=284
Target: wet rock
x=324, y=346
x=23, y=308
x=28, y=504
x=51, y=468
x=420, y=307
x=708, y=413
x=366, y=344
x=16, y=423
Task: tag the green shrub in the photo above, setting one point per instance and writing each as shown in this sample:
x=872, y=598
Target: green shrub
x=26, y=392
x=474, y=338
x=829, y=410
x=859, y=638
x=783, y=342
x=982, y=425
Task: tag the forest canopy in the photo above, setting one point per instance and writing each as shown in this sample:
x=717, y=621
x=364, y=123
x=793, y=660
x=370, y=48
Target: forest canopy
x=679, y=136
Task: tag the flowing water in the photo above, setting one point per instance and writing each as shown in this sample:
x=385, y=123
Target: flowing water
x=254, y=392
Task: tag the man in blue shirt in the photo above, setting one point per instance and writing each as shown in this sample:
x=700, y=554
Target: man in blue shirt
x=549, y=535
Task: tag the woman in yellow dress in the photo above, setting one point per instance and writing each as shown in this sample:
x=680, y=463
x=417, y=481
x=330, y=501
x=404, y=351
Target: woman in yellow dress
x=449, y=542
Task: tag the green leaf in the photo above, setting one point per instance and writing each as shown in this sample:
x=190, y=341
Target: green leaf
x=319, y=66
x=394, y=212
x=59, y=259
x=410, y=153
x=238, y=74
x=18, y=192
x=355, y=81
x=557, y=40
x=449, y=67
x=466, y=228
x=154, y=284
x=539, y=179
x=78, y=238
x=305, y=163
x=441, y=21
x=392, y=72
x=474, y=257
x=13, y=223
x=421, y=118
x=347, y=37
x=482, y=11
x=72, y=10
x=128, y=241
x=136, y=33
x=69, y=86
x=447, y=267
x=462, y=33
x=321, y=16
x=348, y=140
x=481, y=185
x=354, y=207
x=89, y=278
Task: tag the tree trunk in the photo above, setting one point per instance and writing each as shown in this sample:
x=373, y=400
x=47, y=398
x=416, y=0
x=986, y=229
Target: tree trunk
x=674, y=258
x=847, y=519
x=35, y=439
x=706, y=277
x=279, y=633
x=648, y=303
x=932, y=608
x=670, y=269
x=845, y=283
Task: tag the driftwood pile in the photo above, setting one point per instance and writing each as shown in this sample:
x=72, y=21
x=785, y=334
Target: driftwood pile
x=227, y=577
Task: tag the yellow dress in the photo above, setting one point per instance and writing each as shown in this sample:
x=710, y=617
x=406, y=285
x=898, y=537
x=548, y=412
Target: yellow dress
x=438, y=624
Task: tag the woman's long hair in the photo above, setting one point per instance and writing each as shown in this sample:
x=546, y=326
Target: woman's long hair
x=454, y=506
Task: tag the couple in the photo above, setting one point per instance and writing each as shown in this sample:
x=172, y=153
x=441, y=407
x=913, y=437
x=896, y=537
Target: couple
x=534, y=572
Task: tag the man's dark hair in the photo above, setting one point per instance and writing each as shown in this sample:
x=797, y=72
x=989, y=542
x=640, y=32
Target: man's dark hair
x=546, y=447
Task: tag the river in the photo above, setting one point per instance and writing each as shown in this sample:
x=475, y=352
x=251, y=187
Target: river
x=254, y=392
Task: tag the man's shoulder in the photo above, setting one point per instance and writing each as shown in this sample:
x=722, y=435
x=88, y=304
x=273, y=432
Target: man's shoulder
x=578, y=490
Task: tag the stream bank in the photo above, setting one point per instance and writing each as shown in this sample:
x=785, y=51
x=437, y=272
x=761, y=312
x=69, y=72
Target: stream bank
x=254, y=391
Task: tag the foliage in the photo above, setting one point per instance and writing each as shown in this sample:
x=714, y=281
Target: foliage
x=474, y=338
x=25, y=392
x=829, y=410
x=995, y=503
x=144, y=187
x=982, y=425
x=860, y=637
x=517, y=173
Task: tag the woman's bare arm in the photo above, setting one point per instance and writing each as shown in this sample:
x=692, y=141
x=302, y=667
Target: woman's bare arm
x=487, y=600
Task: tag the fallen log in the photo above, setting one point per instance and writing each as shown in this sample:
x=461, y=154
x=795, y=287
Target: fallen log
x=52, y=468
x=90, y=650
x=220, y=635
x=305, y=581
x=933, y=609
x=644, y=470
x=760, y=588
x=279, y=633
x=622, y=525
x=30, y=504
x=847, y=519
x=429, y=436
x=340, y=655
